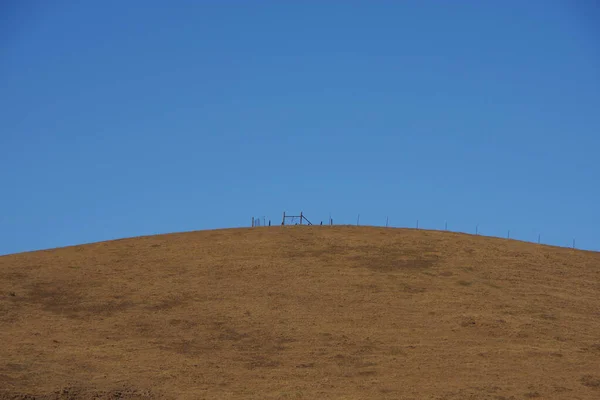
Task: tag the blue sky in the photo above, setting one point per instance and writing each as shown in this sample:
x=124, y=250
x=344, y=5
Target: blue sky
x=121, y=119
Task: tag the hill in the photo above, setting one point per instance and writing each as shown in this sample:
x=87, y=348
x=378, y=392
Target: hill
x=301, y=313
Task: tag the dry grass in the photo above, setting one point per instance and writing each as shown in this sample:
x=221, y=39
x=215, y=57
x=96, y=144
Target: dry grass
x=301, y=313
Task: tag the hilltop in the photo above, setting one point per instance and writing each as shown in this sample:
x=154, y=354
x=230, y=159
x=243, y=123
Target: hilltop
x=301, y=313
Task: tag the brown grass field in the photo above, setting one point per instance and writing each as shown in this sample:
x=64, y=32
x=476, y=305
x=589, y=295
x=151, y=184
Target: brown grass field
x=301, y=313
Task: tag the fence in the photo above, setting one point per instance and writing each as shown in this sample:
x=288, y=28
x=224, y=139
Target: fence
x=302, y=220
x=256, y=221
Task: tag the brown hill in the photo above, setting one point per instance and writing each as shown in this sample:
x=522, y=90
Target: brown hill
x=301, y=313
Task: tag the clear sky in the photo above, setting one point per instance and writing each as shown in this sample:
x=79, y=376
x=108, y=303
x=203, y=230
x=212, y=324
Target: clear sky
x=127, y=118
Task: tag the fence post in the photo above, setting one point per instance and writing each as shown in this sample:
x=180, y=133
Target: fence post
x=386, y=221
x=300, y=217
x=283, y=220
x=253, y=222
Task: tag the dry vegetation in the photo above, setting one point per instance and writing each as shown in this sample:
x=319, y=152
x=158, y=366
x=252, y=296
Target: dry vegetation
x=301, y=313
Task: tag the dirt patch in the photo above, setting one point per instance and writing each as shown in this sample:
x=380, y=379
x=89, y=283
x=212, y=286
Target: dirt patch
x=188, y=348
x=57, y=297
x=389, y=262
x=70, y=393
x=532, y=395
x=166, y=303
x=591, y=381
x=68, y=300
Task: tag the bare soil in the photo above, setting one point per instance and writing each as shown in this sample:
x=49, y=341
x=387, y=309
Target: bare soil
x=301, y=313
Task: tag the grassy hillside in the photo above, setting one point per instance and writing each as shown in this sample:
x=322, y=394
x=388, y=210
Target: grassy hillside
x=301, y=313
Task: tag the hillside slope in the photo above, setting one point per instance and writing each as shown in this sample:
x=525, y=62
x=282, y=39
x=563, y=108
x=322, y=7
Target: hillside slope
x=301, y=312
